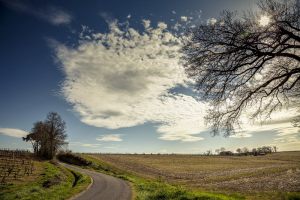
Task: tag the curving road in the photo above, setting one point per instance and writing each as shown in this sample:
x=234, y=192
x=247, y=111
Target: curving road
x=104, y=187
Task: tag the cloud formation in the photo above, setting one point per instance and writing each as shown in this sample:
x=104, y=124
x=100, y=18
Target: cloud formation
x=183, y=18
x=127, y=77
x=110, y=138
x=123, y=79
x=12, y=132
x=51, y=14
x=211, y=21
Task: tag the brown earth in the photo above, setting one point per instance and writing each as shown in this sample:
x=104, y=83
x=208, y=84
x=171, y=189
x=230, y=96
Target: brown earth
x=276, y=172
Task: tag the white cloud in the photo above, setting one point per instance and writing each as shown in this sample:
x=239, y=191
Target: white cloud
x=51, y=14
x=183, y=18
x=241, y=135
x=123, y=78
x=146, y=23
x=13, y=132
x=211, y=21
x=173, y=12
x=90, y=145
x=110, y=138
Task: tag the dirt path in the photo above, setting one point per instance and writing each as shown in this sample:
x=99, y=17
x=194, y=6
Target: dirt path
x=103, y=187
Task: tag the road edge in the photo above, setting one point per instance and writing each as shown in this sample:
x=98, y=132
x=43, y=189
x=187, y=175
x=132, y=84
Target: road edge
x=83, y=191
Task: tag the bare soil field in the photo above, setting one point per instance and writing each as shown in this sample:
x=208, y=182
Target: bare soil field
x=276, y=172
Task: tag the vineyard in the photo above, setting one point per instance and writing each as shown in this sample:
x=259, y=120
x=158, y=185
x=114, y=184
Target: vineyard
x=14, y=164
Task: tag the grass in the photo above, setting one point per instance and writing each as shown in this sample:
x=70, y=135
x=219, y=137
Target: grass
x=275, y=176
x=49, y=181
x=155, y=189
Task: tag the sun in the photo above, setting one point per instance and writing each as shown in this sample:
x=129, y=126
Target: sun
x=264, y=20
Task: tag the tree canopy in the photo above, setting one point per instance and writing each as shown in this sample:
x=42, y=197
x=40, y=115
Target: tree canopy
x=246, y=64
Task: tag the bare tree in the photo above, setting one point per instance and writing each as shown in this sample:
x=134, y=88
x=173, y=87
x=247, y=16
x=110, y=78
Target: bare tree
x=239, y=150
x=208, y=153
x=296, y=121
x=55, y=128
x=245, y=150
x=250, y=61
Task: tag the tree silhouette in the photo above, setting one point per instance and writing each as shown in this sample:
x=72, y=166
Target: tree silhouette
x=47, y=137
x=246, y=64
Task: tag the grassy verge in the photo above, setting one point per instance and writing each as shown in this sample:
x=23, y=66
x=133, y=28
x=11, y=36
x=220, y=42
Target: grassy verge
x=152, y=189
x=50, y=182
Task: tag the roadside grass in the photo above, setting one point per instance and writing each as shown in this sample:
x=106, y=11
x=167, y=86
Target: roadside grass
x=50, y=181
x=155, y=189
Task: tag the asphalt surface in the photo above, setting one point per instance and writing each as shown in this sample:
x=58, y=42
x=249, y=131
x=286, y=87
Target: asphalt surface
x=104, y=187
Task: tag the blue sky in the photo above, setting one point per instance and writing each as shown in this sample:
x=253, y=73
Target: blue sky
x=111, y=69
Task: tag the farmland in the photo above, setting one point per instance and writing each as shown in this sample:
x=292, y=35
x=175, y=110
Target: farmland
x=14, y=165
x=268, y=177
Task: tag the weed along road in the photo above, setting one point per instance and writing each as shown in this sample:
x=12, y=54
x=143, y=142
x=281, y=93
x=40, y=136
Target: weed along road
x=104, y=187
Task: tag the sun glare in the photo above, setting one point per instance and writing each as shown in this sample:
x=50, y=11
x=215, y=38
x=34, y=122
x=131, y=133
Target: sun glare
x=264, y=20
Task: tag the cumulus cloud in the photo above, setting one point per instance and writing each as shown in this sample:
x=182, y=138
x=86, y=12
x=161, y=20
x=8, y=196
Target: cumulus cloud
x=110, y=138
x=211, y=21
x=123, y=78
x=13, y=132
x=146, y=23
x=184, y=18
x=51, y=14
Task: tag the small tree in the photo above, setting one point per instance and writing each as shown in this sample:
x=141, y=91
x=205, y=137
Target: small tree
x=245, y=150
x=208, y=153
x=254, y=151
x=222, y=149
x=239, y=150
x=55, y=129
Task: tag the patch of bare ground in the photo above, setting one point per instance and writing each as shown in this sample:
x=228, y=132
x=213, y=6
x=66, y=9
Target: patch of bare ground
x=277, y=172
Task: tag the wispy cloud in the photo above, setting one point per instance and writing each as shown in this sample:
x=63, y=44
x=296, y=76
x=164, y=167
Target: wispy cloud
x=241, y=135
x=211, y=21
x=13, y=132
x=110, y=138
x=89, y=145
x=51, y=14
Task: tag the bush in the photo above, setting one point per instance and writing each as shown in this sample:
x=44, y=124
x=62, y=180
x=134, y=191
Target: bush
x=73, y=159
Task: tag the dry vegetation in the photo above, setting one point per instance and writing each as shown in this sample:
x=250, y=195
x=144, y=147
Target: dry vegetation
x=14, y=165
x=277, y=172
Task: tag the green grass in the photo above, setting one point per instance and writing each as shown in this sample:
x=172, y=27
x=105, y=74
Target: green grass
x=153, y=189
x=53, y=182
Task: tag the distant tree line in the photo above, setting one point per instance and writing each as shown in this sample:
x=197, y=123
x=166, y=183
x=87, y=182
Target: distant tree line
x=245, y=151
x=47, y=136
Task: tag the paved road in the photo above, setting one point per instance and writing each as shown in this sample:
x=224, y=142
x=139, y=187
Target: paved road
x=104, y=187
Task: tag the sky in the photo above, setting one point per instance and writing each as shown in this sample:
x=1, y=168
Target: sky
x=112, y=70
